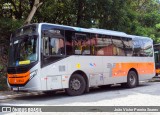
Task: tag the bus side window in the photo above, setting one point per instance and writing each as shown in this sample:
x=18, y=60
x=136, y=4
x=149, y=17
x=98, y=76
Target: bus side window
x=45, y=46
x=86, y=47
x=103, y=45
x=138, y=48
x=93, y=43
x=147, y=48
x=81, y=44
x=118, y=49
x=77, y=47
x=69, y=42
x=53, y=42
x=52, y=46
x=127, y=46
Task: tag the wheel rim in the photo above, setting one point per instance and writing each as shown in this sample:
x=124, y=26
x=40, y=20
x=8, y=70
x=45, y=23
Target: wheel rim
x=75, y=84
x=132, y=79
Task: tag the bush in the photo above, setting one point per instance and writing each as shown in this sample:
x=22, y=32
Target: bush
x=3, y=83
x=3, y=68
x=7, y=26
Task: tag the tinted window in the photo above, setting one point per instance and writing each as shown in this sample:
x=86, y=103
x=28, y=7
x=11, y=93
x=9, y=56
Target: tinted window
x=53, y=42
x=143, y=47
x=77, y=43
x=52, y=45
x=137, y=48
x=147, y=48
x=69, y=42
x=93, y=42
x=118, y=47
x=104, y=45
x=128, y=46
x=81, y=44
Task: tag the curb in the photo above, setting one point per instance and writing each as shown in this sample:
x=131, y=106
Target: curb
x=3, y=97
x=155, y=79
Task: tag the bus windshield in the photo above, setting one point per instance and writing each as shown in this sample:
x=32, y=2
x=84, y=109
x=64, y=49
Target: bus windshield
x=23, y=50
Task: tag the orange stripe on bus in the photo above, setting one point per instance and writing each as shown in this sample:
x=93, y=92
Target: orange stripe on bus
x=20, y=79
x=121, y=69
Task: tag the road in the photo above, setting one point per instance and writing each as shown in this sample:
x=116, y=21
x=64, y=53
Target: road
x=146, y=94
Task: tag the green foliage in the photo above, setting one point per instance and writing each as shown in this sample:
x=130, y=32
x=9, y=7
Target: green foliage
x=158, y=26
x=7, y=26
x=3, y=83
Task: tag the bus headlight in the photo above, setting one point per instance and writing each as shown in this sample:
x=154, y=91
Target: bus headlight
x=33, y=73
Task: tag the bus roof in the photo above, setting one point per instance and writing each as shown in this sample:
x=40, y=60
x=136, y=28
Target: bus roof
x=139, y=37
x=90, y=30
x=98, y=31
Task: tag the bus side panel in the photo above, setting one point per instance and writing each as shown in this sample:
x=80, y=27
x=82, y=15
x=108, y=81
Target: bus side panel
x=91, y=66
x=112, y=68
x=116, y=68
x=146, y=70
x=100, y=70
x=57, y=75
x=51, y=76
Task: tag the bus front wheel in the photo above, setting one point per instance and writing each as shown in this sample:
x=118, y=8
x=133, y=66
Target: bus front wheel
x=77, y=85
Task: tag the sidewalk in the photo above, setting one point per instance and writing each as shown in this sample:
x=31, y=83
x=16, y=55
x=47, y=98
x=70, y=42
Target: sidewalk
x=7, y=94
x=11, y=94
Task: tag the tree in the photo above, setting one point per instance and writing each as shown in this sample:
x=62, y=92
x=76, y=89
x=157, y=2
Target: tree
x=37, y=3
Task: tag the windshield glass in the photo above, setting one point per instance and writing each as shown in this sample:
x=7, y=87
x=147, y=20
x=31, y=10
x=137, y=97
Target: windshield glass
x=23, y=50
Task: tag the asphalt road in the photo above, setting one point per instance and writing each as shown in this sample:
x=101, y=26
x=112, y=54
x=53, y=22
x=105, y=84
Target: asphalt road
x=146, y=94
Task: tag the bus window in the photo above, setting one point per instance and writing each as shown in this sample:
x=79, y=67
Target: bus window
x=69, y=42
x=138, y=47
x=118, y=49
x=81, y=44
x=143, y=48
x=147, y=48
x=103, y=45
x=45, y=46
x=128, y=46
x=53, y=43
x=93, y=43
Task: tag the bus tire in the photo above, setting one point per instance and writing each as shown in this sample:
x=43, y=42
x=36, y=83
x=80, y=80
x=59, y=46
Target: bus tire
x=132, y=79
x=77, y=85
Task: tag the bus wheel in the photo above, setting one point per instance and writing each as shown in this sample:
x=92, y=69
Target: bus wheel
x=77, y=85
x=132, y=79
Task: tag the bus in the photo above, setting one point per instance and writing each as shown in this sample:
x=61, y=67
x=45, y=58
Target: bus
x=157, y=59
x=49, y=57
